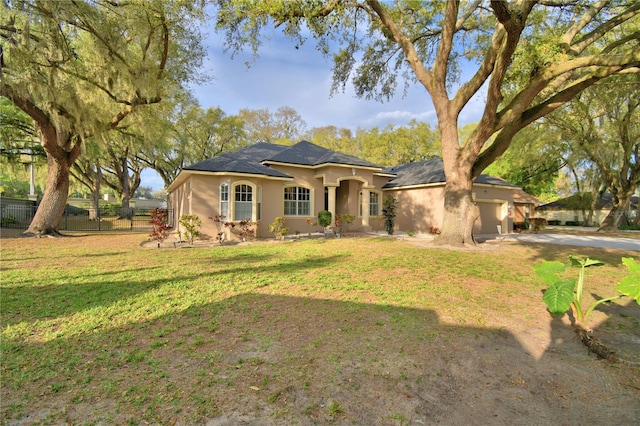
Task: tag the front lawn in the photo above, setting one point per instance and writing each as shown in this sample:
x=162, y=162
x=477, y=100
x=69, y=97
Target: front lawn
x=98, y=330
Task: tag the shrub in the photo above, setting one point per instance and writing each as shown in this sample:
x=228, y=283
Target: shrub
x=8, y=220
x=389, y=212
x=538, y=223
x=247, y=229
x=434, y=230
x=324, y=218
x=191, y=224
x=343, y=221
x=554, y=222
x=159, y=228
x=278, y=229
x=311, y=223
x=221, y=223
x=573, y=223
x=110, y=209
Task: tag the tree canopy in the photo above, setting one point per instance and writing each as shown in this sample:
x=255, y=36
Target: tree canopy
x=601, y=126
x=79, y=69
x=529, y=57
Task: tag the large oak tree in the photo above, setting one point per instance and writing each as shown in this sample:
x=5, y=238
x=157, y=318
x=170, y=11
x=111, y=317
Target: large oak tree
x=602, y=125
x=81, y=69
x=528, y=57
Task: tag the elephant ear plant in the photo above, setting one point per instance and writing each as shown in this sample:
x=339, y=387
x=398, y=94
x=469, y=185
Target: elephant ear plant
x=566, y=293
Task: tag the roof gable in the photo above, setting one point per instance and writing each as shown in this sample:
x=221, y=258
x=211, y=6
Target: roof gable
x=305, y=153
x=247, y=160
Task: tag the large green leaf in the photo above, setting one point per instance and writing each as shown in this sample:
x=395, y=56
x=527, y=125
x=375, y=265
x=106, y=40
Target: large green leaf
x=558, y=296
x=630, y=285
x=585, y=262
x=547, y=271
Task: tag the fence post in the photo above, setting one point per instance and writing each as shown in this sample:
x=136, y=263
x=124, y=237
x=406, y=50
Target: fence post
x=99, y=219
x=133, y=214
x=66, y=219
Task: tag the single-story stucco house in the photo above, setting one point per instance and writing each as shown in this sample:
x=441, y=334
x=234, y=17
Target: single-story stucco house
x=265, y=181
x=573, y=210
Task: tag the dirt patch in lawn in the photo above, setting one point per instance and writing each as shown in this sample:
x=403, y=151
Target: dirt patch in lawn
x=269, y=358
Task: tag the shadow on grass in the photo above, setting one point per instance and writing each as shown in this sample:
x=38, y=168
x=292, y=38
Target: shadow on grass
x=259, y=358
x=28, y=303
x=539, y=252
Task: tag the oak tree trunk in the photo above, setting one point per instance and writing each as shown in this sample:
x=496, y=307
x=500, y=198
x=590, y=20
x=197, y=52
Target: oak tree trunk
x=51, y=207
x=616, y=216
x=460, y=212
x=95, y=195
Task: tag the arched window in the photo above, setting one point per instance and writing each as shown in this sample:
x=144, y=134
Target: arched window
x=243, y=202
x=297, y=201
x=224, y=200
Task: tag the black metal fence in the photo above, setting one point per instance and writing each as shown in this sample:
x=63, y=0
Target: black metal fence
x=109, y=218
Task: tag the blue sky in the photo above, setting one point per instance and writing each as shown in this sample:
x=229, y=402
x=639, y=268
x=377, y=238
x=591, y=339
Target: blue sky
x=301, y=79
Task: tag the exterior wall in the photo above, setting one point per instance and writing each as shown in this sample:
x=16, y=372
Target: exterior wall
x=421, y=208
x=179, y=200
x=491, y=216
x=341, y=188
x=342, y=180
x=497, y=204
x=418, y=208
x=199, y=195
x=524, y=212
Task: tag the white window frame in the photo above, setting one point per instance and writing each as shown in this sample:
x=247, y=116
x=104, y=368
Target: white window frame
x=298, y=206
x=371, y=214
x=371, y=193
x=251, y=202
x=224, y=200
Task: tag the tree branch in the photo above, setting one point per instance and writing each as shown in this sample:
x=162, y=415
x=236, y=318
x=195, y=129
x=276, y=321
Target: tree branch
x=602, y=29
x=581, y=23
x=422, y=74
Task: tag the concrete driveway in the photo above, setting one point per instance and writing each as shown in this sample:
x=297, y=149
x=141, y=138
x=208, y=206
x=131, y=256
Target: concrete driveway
x=577, y=240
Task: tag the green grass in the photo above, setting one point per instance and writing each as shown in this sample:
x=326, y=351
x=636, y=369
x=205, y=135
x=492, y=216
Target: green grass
x=150, y=335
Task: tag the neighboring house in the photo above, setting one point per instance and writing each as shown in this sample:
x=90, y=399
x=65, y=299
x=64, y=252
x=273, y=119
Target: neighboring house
x=575, y=209
x=264, y=181
x=134, y=203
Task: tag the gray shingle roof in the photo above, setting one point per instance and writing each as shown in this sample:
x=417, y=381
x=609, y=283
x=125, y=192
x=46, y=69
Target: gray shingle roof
x=429, y=172
x=247, y=160
x=307, y=154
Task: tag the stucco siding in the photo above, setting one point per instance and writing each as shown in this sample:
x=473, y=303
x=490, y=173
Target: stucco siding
x=490, y=218
x=419, y=208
